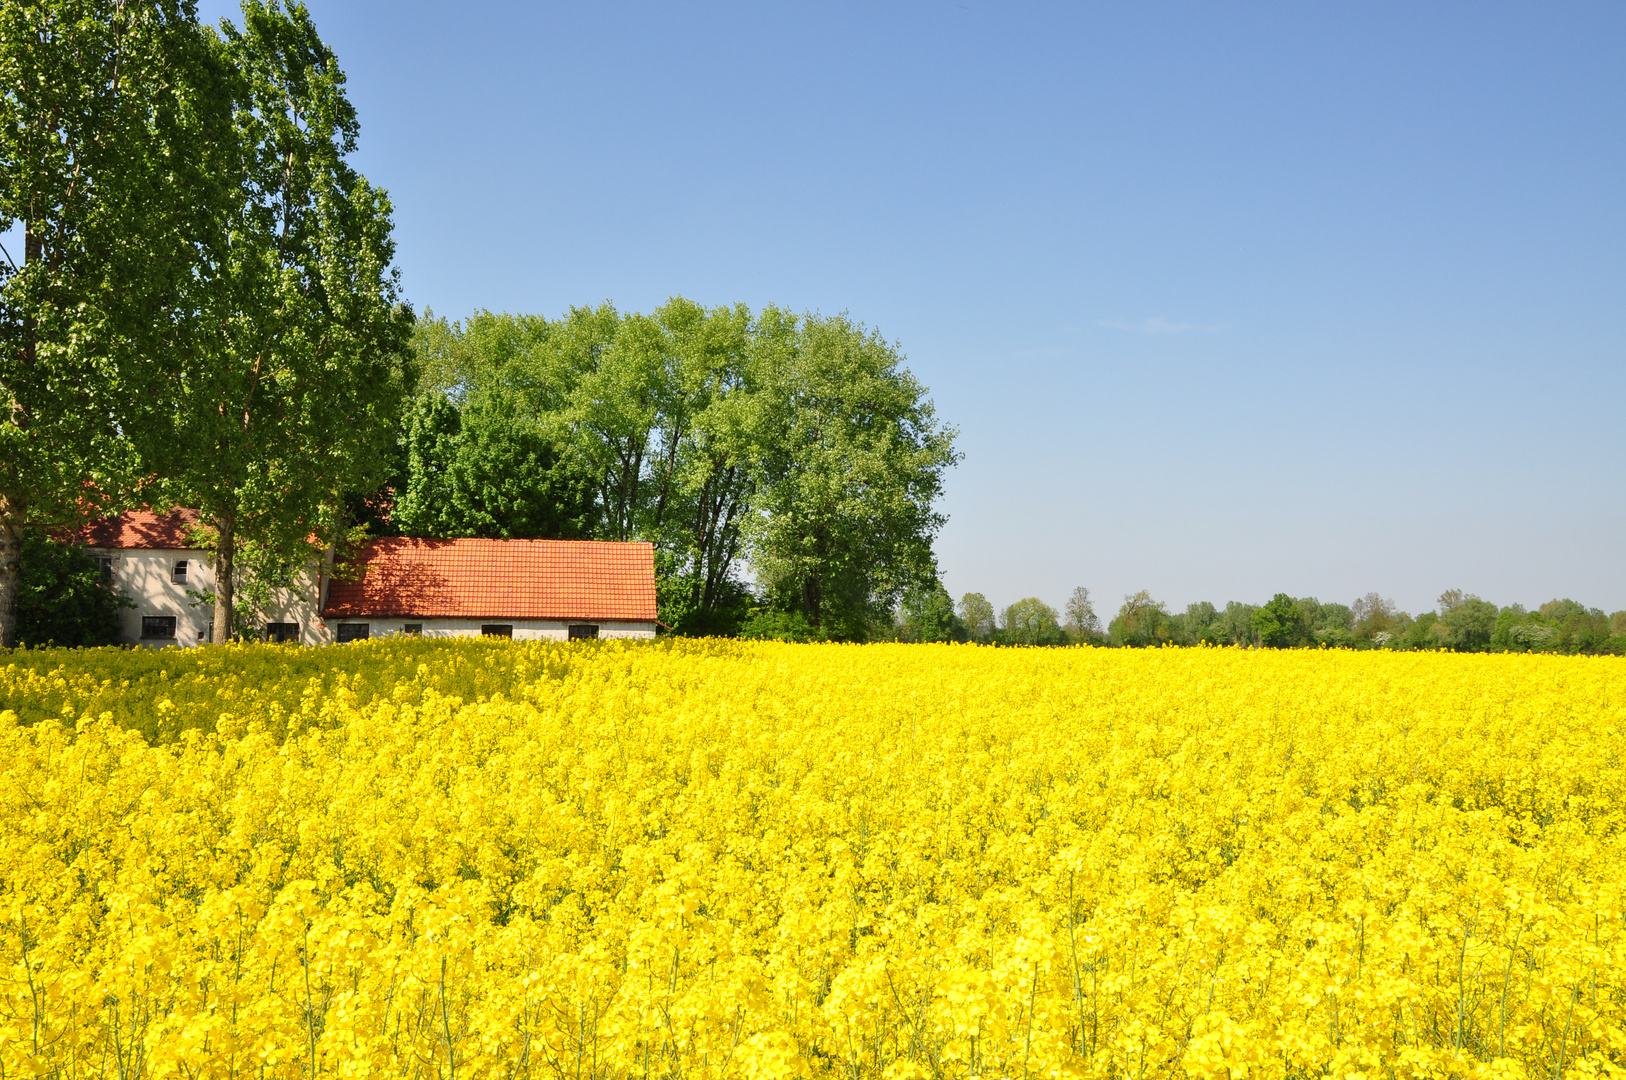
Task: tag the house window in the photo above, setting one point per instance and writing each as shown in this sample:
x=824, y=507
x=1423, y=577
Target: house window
x=583, y=631
x=497, y=630
x=177, y=573
x=281, y=633
x=413, y=628
x=104, y=567
x=354, y=631
x=158, y=628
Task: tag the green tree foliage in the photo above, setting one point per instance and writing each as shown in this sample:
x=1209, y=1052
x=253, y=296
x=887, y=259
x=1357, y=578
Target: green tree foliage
x=1200, y=624
x=767, y=624
x=703, y=464
x=293, y=400
x=617, y=405
x=1141, y=622
x=851, y=463
x=927, y=614
x=1467, y=623
x=63, y=599
x=728, y=606
x=111, y=113
x=1559, y=626
x=1325, y=624
x=977, y=616
x=596, y=424
x=1082, y=622
x=797, y=440
x=1373, y=620
x=1237, y=620
x=1418, y=632
x=1463, y=623
x=1030, y=621
x=1280, y=624
x=488, y=469
x=483, y=451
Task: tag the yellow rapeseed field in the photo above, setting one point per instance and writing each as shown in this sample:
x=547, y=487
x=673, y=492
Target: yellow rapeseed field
x=691, y=860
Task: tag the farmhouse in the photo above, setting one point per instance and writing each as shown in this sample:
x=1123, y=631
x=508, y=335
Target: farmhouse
x=537, y=589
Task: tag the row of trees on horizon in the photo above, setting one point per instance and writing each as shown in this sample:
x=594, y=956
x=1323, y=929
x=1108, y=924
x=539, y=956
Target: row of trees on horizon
x=1462, y=622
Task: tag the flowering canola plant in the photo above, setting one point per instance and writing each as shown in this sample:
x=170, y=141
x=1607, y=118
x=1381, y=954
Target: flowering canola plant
x=700, y=859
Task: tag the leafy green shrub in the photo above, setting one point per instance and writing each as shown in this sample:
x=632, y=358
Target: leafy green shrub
x=62, y=599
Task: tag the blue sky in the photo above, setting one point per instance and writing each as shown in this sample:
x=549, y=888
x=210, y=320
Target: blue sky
x=1299, y=298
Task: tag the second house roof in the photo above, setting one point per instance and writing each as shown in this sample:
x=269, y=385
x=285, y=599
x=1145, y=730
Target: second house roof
x=498, y=579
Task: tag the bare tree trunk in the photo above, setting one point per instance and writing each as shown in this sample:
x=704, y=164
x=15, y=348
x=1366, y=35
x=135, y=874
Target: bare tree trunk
x=225, y=571
x=11, y=568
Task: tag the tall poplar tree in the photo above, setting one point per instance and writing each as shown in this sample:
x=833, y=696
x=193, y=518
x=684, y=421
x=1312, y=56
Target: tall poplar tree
x=293, y=400
x=111, y=114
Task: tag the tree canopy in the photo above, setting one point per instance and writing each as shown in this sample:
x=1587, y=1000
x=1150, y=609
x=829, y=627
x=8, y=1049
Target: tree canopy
x=113, y=117
x=292, y=398
x=793, y=447
x=205, y=312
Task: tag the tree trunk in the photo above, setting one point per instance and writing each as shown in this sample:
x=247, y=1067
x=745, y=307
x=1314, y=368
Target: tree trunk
x=811, y=599
x=225, y=571
x=11, y=568
x=13, y=514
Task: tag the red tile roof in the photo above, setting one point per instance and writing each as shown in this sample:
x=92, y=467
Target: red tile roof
x=140, y=529
x=500, y=579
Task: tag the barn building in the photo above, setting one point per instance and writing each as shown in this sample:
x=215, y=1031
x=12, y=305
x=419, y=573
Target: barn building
x=528, y=589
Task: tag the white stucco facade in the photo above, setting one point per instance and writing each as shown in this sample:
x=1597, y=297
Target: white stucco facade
x=150, y=578
x=520, y=629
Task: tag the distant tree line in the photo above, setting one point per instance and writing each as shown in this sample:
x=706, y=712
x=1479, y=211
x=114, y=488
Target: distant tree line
x=1462, y=622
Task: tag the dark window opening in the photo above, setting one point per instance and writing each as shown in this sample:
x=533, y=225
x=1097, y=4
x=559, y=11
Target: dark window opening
x=281, y=633
x=354, y=631
x=177, y=573
x=497, y=630
x=104, y=567
x=583, y=631
x=158, y=627
x=414, y=628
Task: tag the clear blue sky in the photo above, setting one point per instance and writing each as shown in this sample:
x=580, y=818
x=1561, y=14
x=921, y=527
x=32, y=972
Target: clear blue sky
x=1224, y=302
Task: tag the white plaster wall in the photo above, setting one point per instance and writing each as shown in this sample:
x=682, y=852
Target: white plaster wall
x=143, y=574
x=524, y=629
x=298, y=605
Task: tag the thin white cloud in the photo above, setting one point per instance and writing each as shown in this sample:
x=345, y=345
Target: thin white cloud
x=1045, y=352
x=1157, y=326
